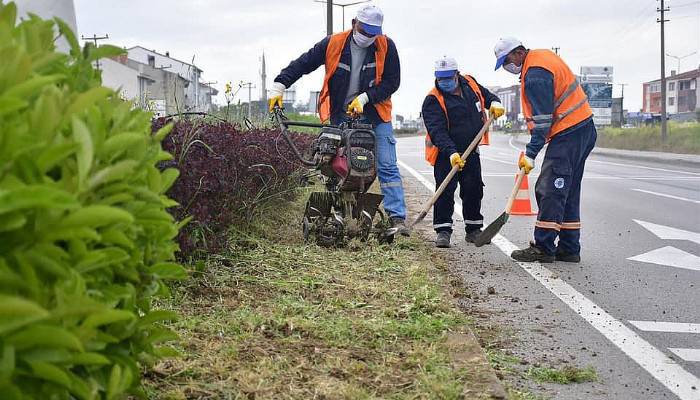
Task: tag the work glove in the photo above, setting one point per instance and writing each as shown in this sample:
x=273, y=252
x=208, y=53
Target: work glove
x=456, y=159
x=357, y=106
x=496, y=109
x=526, y=163
x=276, y=93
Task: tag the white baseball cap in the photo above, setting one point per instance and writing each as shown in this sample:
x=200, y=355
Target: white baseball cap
x=445, y=67
x=503, y=48
x=371, y=19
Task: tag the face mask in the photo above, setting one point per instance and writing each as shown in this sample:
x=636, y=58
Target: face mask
x=513, y=69
x=362, y=40
x=447, y=85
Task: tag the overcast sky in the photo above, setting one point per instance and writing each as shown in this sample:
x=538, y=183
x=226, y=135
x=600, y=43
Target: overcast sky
x=227, y=37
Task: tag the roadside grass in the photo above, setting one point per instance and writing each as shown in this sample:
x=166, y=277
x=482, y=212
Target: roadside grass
x=276, y=318
x=563, y=376
x=682, y=138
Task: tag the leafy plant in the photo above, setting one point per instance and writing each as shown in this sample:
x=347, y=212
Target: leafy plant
x=227, y=173
x=85, y=237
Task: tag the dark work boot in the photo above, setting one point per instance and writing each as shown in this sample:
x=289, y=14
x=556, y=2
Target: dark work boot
x=443, y=240
x=563, y=255
x=400, y=223
x=532, y=254
x=472, y=235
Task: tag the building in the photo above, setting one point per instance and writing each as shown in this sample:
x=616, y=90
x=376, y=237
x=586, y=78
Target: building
x=150, y=88
x=510, y=98
x=682, y=95
x=193, y=99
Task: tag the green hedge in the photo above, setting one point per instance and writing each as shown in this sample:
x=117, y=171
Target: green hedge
x=85, y=239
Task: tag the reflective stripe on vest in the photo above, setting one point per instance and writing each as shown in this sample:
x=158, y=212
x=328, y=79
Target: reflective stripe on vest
x=333, y=52
x=431, y=151
x=570, y=104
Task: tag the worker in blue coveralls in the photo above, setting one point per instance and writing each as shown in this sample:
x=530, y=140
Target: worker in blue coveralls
x=454, y=111
x=556, y=110
x=362, y=72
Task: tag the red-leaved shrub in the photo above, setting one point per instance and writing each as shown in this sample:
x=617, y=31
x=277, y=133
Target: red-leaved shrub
x=225, y=173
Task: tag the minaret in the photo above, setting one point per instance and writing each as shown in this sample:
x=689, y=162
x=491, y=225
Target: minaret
x=263, y=77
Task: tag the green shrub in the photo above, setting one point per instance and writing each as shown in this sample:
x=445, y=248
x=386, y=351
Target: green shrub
x=85, y=238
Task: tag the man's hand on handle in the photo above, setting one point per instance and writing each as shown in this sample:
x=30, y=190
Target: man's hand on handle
x=456, y=159
x=356, y=107
x=276, y=93
x=526, y=163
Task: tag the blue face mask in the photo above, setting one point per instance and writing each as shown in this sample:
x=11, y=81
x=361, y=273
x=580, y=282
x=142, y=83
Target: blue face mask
x=447, y=85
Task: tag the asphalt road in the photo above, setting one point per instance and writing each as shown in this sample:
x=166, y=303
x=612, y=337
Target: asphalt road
x=631, y=308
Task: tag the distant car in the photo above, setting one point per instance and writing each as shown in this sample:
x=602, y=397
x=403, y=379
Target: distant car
x=627, y=126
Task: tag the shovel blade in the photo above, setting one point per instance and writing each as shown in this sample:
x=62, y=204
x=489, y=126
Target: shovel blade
x=492, y=230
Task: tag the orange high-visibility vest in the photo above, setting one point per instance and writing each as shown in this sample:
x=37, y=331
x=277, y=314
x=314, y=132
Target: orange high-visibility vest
x=431, y=151
x=333, y=52
x=570, y=102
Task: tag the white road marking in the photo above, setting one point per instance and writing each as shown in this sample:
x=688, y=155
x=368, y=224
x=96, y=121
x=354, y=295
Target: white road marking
x=672, y=375
x=691, y=355
x=669, y=233
x=671, y=257
x=670, y=327
x=513, y=163
x=667, y=195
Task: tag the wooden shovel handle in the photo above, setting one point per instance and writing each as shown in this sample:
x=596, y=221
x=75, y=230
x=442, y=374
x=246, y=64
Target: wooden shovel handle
x=453, y=171
x=516, y=188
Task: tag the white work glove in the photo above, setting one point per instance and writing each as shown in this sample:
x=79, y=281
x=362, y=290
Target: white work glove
x=276, y=93
x=357, y=106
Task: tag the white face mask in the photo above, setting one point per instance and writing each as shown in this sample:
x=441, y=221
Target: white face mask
x=362, y=40
x=512, y=68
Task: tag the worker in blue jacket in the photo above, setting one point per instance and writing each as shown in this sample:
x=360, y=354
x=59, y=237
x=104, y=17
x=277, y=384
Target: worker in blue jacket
x=454, y=112
x=362, y=72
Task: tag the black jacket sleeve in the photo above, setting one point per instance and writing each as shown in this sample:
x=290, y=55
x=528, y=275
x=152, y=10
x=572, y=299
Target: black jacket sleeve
x=306, y=63
x=391, y=78
x=435, y=122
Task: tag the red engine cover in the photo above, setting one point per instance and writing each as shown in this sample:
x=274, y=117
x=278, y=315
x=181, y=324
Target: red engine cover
x=340, y=164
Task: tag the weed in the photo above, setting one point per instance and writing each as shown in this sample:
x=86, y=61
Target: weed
x=564, y=376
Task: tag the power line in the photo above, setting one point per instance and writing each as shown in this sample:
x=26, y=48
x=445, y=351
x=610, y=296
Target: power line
x=95, y=39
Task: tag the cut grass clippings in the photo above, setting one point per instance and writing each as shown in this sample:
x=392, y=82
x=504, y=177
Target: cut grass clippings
x=275, y=318
x=563, y=376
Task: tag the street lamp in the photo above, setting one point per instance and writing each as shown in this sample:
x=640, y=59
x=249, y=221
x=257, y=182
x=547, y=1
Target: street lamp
x=679, y=59
x=343, y=6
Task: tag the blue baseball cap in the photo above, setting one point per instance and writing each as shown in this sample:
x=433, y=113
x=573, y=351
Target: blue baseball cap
x=371, y=29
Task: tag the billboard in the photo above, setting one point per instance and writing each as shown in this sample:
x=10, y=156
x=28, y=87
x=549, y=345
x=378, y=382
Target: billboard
x=597, y=84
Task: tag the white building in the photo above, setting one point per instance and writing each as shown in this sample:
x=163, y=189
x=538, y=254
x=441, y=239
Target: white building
x=189, y=72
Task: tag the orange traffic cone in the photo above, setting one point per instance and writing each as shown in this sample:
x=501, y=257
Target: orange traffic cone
x=522, y=204
x=485, y=139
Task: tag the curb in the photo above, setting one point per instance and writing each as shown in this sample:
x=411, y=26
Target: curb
x=689, y=160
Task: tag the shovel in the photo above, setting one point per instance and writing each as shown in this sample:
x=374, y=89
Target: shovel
x=452, y=173
x=495, y=226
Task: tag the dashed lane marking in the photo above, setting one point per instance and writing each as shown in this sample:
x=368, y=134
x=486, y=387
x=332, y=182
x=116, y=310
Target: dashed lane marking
x=691, y=355
x=671, y=257
x=667, y=195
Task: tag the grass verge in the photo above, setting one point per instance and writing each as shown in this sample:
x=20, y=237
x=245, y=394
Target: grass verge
x=563, y=376
x=682, y=138
x=275, y=318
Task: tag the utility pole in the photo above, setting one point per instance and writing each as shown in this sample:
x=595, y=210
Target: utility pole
x=343, y=6
x=250, y=87
x=95, y=38
x=263, y=78
x=329, y=17
x=663, y=20
x=556, y=50
x=622, y=103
